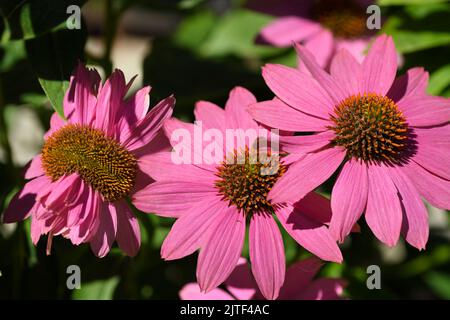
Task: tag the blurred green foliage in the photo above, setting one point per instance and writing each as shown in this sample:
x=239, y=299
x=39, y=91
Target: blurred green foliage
x=211, y=51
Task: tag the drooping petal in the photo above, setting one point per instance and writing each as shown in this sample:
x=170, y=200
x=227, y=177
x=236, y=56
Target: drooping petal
x=276, y=114
x=348, y=198
x=35, y=168
x=283, y=31
x=413, y=82
x=334, y=90
x=193, y=226
x=267, y=255
x=237, y=116
x=298, y=277
x=80, y=99
x=148, y=128
x=307, y=174
x=433, y=155
x=103, y=240
x=424, y=110
x=324, y=289
x=311, y=235
x=415, y=216
x=21, y=204
x=298, y=90
x=306, y=144
x=379, y=67
x=211, y=114
x=128, y=232
x=191, y=291
x=347, y=71
x=241, y=283
x=383, y=211
x=433, y=188
x=222, y=249
x=172, y=198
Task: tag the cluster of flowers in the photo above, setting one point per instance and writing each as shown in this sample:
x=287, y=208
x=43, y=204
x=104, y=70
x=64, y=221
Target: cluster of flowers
x=385, y=138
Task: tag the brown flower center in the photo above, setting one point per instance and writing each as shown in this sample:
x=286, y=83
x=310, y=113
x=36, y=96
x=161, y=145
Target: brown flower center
x=246, y=178
x=371, y=128
x=344, y=18
x=100, y=161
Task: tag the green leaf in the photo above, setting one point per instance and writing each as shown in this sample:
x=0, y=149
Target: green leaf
x=97, y=290
x=439, y=283
x=235, y=34
x=439, y=80
x=54, y=57
x=27, y=19
x=407, y=42
x=13, y=51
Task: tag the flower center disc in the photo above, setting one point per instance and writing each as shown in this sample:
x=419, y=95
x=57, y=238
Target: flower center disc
x=343, y=18
x=100, y=161
x=246, y=179
x=371, y=128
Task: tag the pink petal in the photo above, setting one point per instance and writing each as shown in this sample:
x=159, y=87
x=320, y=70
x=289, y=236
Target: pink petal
x=56, y=123
x=324, y=289
x=191, y=291
x=277, y=114
x=89, y=213
x=160, y=167
x=433, y=155
x=149, y=127
x=306, y=144
x=311, y=235
x=267, y=254
x=298, y=90
x=103, y=240
x=384, y=211
x=21, y=204
x=241, y=283
x=347, y=71
x=222, y=249
x=298, y=277
x=212, y=115
x=35, y=168
x=379, y=67
x=128, y=232
x=348, y=198
x=334, y=90
x=307, y=174
x=283, y=31
x=110, y=98
x=171, y=198
x=315, y=207
x=415, y=215
x=413, y=82
x=237, y=116
x=433, y=188
x=322, y=44
x=356, y=47
x=423, y=110
x=80, y=99
x=190, y=230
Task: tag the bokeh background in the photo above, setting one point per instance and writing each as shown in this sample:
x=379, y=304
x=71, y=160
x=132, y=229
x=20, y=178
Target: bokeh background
x=197, y=50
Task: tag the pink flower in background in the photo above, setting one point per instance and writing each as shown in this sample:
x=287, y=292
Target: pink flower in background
x=90, y=163
x=213, y=202
x=299, y=284
x=390, y=137
x=323, y=26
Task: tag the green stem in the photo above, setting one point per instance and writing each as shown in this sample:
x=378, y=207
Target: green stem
x=4, y=141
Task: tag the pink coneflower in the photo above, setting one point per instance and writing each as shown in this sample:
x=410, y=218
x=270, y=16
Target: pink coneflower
x=323, y=27
x=299, y=284
x=90, y=163
x=391, y=138
x=213, y=202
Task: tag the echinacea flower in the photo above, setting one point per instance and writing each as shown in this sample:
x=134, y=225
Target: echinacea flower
x=90, y=163
x=214, y=201
x=299, y=284
x=391, y=138
x=323, y=27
